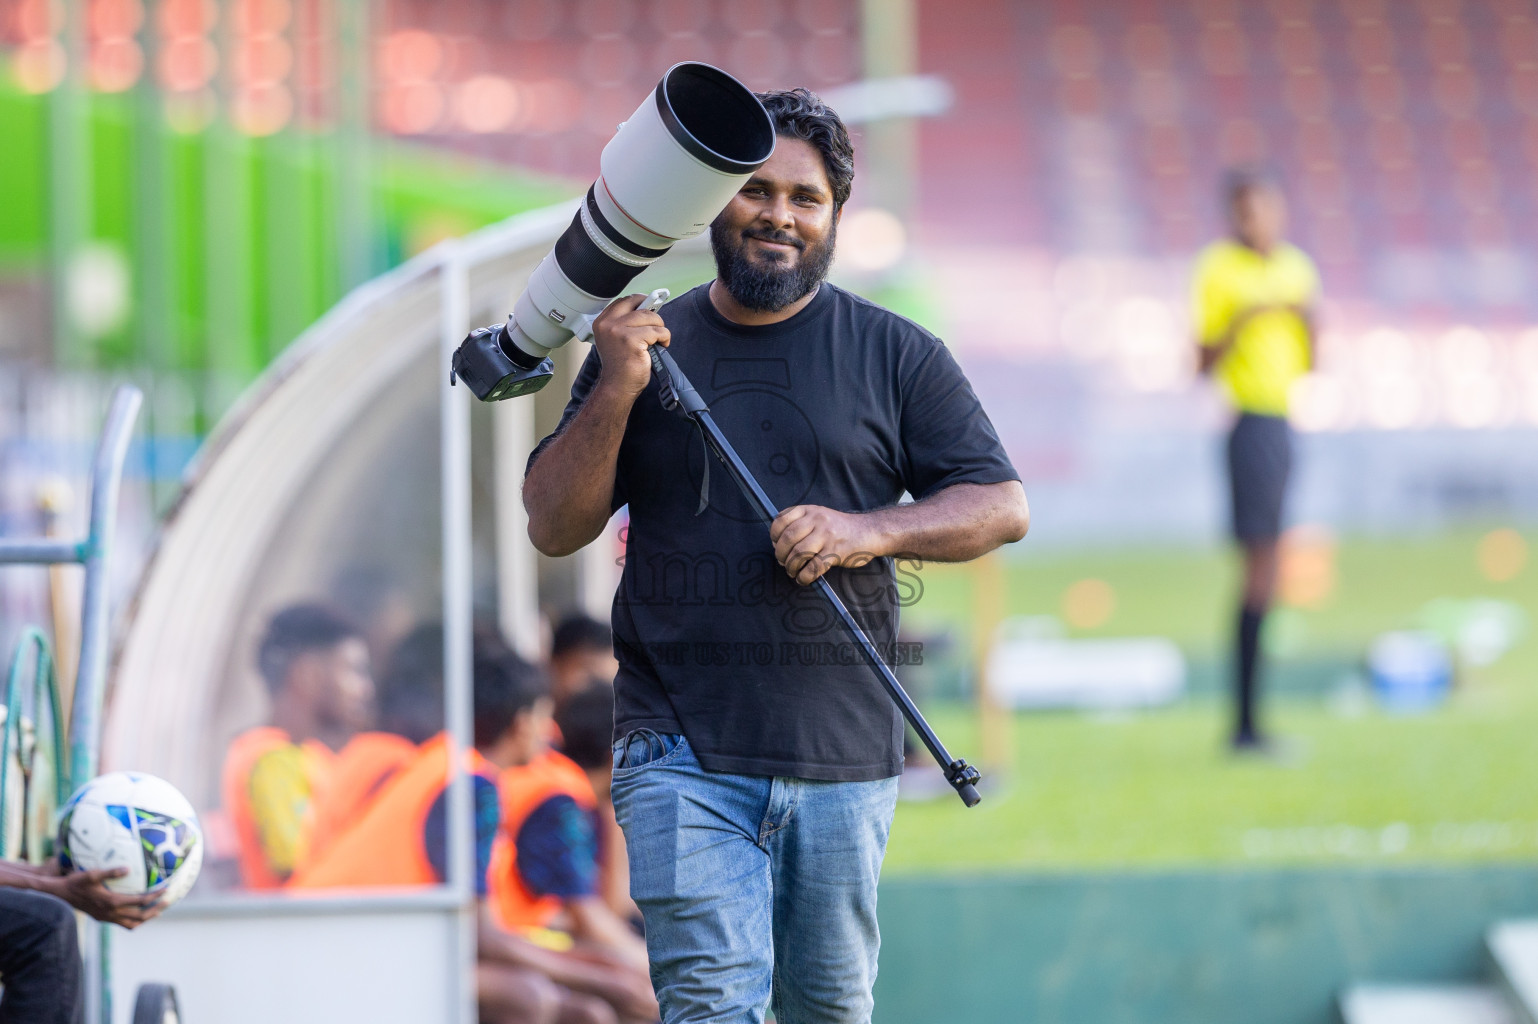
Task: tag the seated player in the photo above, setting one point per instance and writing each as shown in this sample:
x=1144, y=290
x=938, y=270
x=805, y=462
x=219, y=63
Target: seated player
x=406, y=720
x=545, y=872
x=359, y=771
x=39, y=949
x=581, y=652
x=402, y=839
x=410, y=714
x=586, y=723
x=316, y=668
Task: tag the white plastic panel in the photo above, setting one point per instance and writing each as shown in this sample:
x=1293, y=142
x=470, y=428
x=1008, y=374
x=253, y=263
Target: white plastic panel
x=384, y=966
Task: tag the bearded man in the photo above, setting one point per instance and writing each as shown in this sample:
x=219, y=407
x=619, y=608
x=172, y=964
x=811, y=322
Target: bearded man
x=756, y=756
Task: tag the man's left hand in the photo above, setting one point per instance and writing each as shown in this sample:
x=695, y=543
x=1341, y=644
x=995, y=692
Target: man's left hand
x=809, y=540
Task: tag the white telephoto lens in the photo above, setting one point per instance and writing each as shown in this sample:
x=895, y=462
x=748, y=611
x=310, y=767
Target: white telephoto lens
x=684, y=153
x=664, y=176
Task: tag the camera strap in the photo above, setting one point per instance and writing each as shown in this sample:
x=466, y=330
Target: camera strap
x=705, y=479
x=682, y=401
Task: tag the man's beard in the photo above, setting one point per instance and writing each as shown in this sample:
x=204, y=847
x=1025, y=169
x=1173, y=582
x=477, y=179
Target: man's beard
x=766, y=285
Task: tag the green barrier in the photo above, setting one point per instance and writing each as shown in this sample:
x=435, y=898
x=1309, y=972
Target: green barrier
x=38, y=801
x=231, y=244
x=1221, y=947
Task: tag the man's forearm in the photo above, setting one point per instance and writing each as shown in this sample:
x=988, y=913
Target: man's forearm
x=570, y=488
x=632, y=996
x=960, y=523
x=498, y=946
x=19, y=875
x=594, y=922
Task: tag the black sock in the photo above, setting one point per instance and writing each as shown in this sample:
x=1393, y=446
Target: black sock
x=1249, y=654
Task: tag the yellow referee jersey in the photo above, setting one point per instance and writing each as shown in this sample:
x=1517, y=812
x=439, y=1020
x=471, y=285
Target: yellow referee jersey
x=1271, y=350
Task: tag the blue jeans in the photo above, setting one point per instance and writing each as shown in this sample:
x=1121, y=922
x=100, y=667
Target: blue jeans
x=754, y=889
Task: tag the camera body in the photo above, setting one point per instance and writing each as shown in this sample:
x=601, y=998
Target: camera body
x=482, y=362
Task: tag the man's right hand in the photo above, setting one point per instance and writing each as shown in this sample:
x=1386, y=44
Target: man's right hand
x=87, y=891
x=623, y=335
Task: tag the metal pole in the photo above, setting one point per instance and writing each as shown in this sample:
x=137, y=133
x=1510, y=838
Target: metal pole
x=889, y=44
x=85, y=709
x=457, y=627
x=151, y=264
x=355, y=178
x=69, y=191
x=517, y=561
x=106, y=476
x=40, y=552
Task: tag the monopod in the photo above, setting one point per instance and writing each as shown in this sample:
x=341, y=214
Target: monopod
x=679, y=396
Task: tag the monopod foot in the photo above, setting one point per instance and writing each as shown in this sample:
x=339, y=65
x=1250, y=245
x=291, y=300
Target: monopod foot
x=965, y=778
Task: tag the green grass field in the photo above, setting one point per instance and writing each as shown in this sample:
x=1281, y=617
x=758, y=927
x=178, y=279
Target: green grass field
x=1157, y=788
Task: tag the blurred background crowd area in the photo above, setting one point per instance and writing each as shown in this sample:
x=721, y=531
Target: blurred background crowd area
x=189, y=183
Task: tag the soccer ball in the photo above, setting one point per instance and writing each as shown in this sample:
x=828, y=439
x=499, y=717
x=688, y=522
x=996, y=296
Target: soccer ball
x=138, y=822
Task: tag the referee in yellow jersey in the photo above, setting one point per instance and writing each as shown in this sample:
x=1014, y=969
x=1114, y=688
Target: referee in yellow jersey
x=1254, y=298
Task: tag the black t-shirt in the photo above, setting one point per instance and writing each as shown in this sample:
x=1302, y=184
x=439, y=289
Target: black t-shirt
x=844, y=405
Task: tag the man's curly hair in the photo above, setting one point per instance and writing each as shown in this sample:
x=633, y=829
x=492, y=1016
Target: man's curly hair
x=801, y=114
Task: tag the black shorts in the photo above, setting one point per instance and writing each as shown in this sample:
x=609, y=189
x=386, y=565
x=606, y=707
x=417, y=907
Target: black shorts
x=1259, y=462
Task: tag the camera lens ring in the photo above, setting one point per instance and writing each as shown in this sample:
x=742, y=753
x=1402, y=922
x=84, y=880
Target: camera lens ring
x=689, y=102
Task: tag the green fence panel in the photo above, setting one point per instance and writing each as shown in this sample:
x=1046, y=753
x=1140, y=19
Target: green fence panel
x=187, y=247
x=23, y=180
x=1257, y=947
